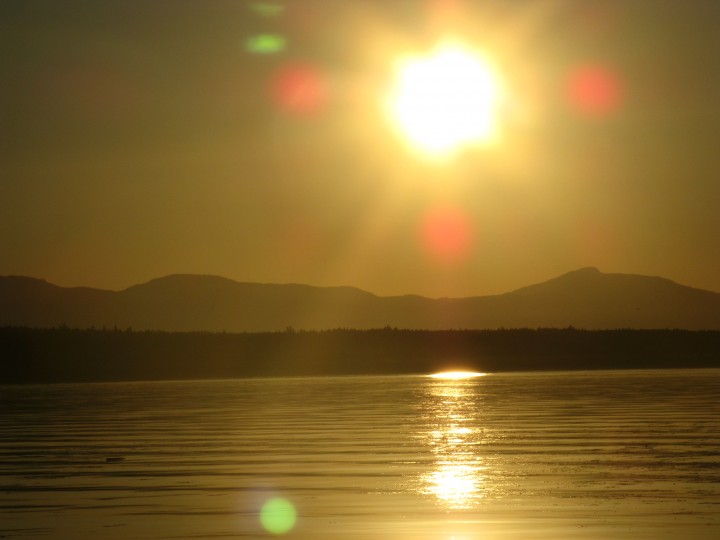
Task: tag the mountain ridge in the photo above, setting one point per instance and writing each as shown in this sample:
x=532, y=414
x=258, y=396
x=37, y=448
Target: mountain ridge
x=583, y=298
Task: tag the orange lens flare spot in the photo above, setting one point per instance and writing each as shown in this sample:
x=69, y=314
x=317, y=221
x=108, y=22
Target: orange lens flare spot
x=446, y=235
x=300, y=89
x=595, y=91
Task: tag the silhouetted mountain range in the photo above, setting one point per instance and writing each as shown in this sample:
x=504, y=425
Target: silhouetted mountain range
x=585, y=298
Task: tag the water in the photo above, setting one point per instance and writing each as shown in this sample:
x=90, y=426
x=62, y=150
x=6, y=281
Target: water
x=507, y=456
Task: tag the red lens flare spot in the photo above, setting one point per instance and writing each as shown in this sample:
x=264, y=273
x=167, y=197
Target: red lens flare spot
x=446, y=235
x=595, y=91
x=300, y=89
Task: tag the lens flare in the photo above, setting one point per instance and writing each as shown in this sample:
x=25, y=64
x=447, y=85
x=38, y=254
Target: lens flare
x=595, y=91
x=300, y=89
x=446, y=235
x=267, y=9
x=265, y=44
x=278, y=516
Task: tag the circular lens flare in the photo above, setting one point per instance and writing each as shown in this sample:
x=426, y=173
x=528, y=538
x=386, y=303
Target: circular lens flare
x=595, y=90
x=300, y=89
x=278, y=516
x=446, y=235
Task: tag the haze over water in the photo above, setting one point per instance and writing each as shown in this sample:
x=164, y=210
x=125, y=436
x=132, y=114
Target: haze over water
x=584, y=455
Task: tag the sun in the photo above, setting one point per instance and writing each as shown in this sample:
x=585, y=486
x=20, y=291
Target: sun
x=446, y=100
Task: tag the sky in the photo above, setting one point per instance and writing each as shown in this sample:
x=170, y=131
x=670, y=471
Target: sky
x=253, y=140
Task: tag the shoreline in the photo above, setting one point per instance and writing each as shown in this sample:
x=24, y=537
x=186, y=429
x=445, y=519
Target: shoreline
x=56, y=355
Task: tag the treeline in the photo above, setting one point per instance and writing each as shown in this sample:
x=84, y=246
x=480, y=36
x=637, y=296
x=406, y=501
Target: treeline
x=33, y=355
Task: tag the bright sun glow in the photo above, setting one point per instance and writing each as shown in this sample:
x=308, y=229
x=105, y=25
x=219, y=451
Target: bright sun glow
x=447, y=100
x=457, y=375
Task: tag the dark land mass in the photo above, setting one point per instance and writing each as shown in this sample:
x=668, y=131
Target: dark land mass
x=585, y=298
x=76, y=355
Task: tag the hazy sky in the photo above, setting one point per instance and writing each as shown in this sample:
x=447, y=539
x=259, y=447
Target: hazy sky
x=139, y=139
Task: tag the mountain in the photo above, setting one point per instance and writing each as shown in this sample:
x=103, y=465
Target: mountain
x=585, y=298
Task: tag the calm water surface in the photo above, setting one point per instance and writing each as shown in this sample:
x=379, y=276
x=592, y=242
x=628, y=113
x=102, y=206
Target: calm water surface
x=507, y=456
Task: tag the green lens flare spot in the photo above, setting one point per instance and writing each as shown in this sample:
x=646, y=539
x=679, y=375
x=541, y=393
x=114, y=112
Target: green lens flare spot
x=267, y=9
x=266, y=44
x=278, y=516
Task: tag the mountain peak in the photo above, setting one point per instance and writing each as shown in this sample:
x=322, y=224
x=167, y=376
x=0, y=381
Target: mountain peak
x=588, y=270
x=591, y=281
x=581, y=276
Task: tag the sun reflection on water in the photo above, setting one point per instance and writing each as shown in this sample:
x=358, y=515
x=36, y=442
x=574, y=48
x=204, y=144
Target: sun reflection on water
x=457, y=375
x=458, y=475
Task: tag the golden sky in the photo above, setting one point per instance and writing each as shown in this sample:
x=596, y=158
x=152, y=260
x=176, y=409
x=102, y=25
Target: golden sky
x=252, y=140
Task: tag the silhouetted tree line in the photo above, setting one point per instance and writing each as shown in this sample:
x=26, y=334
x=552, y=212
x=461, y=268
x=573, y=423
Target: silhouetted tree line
x=31, y=355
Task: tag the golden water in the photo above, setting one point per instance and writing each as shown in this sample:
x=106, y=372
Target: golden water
x=507, y=456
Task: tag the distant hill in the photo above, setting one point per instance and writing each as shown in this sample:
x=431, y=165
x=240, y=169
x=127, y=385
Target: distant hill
x=585, y=298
